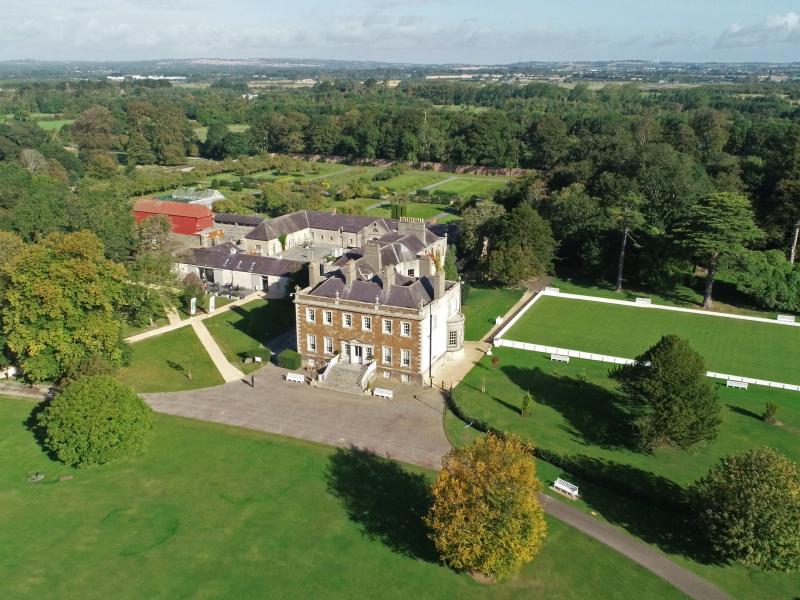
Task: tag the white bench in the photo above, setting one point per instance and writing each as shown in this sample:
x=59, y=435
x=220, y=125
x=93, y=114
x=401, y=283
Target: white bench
x=559, y=358
x=644, y=301
x=786, y=318
x=552, y=290
x=565, y=487
x=742, y=385
x=295, y=378
x=383, y=393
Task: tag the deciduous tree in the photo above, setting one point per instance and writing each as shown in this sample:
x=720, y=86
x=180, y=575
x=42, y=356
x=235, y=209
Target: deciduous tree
x=485, y=515
x=62, y=305
x=95, y=420
x=749, y=506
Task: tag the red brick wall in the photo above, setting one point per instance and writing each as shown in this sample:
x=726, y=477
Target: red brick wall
x=376, y=338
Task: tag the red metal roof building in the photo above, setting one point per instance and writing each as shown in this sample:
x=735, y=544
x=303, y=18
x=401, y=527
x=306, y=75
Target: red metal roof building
x=187, y=219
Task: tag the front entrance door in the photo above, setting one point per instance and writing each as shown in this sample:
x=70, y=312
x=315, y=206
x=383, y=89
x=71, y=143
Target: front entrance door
x=358, y=352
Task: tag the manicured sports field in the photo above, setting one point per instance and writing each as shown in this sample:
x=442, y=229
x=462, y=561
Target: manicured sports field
x=218, y=512
x=752, y=349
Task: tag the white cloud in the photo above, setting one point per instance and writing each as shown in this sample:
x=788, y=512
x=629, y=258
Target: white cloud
x=776, y=29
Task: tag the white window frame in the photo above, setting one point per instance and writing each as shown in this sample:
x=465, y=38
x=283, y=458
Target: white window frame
x=387, y=326
x=345, y=317
x=403, y=326
x=387, y=375
x=405, y=378
x=327, y=345
x=369, y=353
x=386, y=355
x=311, y=342
x=327, y=317
x=451, y=343
x=311, y=315
x=364, y=320
x=405, y=358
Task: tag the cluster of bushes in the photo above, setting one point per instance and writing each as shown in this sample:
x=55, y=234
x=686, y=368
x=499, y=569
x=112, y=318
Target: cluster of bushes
x=289, y=359
x=390, y=172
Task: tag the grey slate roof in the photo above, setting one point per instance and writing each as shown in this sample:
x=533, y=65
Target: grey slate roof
x=227, y=256
x=237, y=219
x=406, y=292
x=273, y=228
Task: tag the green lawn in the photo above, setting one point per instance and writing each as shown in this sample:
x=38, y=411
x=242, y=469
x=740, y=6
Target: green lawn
x=665, y=531
x=201, y=131
x=578, y=415
x=54, y=125
x=417, y=210
x=763, y=350
x=410, y=181
x=218, y=512
x=680, y=295
x=466, y=187
x=163, y=364
x=483, y=305
x=250, y=326
x=588, y=418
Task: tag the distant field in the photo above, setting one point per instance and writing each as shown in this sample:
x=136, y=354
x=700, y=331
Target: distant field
x=412, y=181
x=54, y=125
x=466, y=187
x=201, y=131
x=416, y=210
x=731, y=346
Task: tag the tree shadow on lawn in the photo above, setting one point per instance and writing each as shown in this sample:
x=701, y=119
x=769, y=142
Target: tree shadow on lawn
x=263, y=322
x=31, y=423
x=387, y=501
x=651, y=508
x=594, y=414
x=744, y=412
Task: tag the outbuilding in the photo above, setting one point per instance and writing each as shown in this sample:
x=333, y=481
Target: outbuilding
x=186, y=219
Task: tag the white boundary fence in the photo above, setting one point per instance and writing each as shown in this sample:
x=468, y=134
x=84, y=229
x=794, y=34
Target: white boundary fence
x=499, y=339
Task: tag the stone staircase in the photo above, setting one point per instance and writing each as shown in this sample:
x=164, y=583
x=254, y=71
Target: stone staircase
x=344, y=377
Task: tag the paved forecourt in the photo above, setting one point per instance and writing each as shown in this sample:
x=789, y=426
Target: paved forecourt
x=741, y=346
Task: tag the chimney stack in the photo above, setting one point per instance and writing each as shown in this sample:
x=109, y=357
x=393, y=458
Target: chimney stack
x=372, y=254
x=313, y=273
x=388, y=278
x=438, y=283
x=349, y=271
x=426, y=266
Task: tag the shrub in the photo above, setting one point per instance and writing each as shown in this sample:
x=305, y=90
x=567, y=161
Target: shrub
x=769, y=413
x=485, y=516
x=289, y=359
x=265, y=354
x=527, y=399
x=95, y=420
x=749, y=507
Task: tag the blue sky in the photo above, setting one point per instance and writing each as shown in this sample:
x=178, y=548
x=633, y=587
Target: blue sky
x=428, y=31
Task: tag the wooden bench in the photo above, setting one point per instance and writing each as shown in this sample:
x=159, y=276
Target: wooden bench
x=742, y=385
x=383, y=393
x=644, y=301
x=786, y=318
x=295, y=378
x=565, y=487
x=559, y=358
